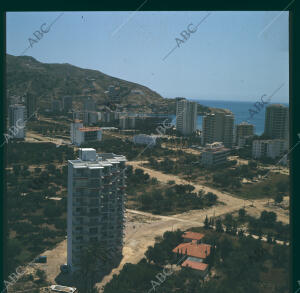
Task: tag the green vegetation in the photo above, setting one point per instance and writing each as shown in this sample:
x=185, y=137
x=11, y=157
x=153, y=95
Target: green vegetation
x=238, y=264
x=35, y=222
x=148, y=195
x=266, y=225
x=274, y=186
x=127, y=148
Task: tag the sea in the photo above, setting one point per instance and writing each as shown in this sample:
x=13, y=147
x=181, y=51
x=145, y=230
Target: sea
x=240, y=111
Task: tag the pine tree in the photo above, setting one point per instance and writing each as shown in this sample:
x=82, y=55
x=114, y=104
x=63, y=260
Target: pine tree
x=206, y=223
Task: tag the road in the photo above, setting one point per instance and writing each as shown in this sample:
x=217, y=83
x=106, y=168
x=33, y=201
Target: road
x=142, y=228
x=229, y=200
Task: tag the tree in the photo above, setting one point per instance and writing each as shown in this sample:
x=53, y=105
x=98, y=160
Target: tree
x=211, y=198
x=282, y=186
x=278, y=198
x=206, y=223
x=92, y=258
x=242, y=213
x=219, y=227
x=269, y=238
x=268, y=218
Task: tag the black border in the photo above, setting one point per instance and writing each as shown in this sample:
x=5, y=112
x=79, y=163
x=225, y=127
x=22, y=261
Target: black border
x=168, y=5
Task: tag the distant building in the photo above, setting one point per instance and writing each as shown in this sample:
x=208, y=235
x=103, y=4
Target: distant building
x=80, y=134
x=95, y=212
x=218, y=127
x=108, y=117
x=186, y=116
x=269, y=148
x=144, y=139
x=30, y=101
x=88, y=117
x=56, y=106
x=89, y=104
x=243, y=130
x=214, y=154
x=16, y=119
x=67, y=103
x=277, y=122
x=127, y=122
x=243, y=141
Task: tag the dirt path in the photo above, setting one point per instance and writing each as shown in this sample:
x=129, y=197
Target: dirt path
x=34, y=137
x=229, y=200
x=142, y=228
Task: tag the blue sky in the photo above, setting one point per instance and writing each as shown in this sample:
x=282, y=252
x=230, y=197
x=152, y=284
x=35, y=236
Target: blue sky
x=227, y=58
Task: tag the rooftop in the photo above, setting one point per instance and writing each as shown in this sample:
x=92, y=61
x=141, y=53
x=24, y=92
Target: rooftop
x=86, y=129
x=200, y=266
x=193, y=235
x=193, y=249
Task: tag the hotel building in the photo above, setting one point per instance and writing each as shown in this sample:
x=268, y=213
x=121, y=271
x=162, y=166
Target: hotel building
x=96, y=197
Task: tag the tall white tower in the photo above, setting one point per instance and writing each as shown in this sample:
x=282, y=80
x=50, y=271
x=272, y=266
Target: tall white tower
x=96, y=196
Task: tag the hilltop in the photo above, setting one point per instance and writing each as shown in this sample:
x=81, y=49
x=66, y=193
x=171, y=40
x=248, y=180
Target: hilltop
x=53, y=81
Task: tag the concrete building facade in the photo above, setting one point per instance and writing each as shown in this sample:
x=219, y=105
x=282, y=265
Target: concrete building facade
x=30, y=101
x=218, y=127
x=145, y=139
x=16, y=118
x=214, y=154
x=96, y=197
x=269, y=148
x=80, y=134
x=243, y=130
x=67, y=103
x=277, y=122
x=186, y=116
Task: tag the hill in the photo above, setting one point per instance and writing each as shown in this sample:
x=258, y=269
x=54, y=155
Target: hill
x=53, y=81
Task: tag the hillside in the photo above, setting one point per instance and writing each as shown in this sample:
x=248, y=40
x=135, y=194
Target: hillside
x=47, y=81
x=53, y=81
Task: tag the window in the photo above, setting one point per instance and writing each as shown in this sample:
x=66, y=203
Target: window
x=93, y=230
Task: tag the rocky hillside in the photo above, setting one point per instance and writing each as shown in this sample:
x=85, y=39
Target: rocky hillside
x=53, y=81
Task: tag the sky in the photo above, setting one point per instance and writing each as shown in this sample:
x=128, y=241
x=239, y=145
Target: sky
x=234, y=56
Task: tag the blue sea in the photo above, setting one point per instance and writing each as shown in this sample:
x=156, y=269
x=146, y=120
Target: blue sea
x=240, y=111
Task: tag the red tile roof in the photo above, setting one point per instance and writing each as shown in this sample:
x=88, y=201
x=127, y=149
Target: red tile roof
x=85, y=129
x=193, y=235
x=200, y=266
x=193, y=249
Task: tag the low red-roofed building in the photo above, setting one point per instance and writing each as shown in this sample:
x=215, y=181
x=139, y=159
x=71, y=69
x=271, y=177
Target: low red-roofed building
x=199, y=266
x=200, y=251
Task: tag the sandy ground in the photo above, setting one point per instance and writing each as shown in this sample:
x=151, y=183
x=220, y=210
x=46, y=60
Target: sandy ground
x=34, y=137
x=142, y=228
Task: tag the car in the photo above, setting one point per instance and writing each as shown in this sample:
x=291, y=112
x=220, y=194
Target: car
x=41, y=259
x=59, y=288
x=64, y=268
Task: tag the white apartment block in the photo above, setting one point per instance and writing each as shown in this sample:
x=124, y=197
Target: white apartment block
x=214, y=154
x=80, y=134
x=218, y=127
x=269, y=148
x=145, y=139
x=17, y=116
x=96, y=197
x=186, y=116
